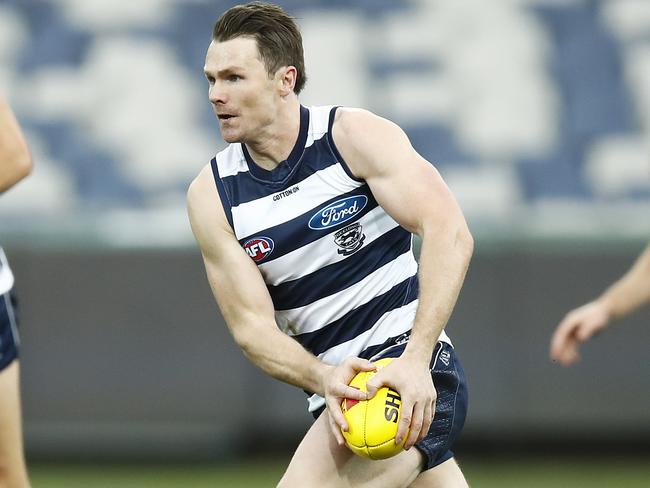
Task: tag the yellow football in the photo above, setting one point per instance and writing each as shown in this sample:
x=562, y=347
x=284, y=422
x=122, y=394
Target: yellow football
x=372, y=424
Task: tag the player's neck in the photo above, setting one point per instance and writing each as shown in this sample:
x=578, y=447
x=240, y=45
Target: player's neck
x=275, y=143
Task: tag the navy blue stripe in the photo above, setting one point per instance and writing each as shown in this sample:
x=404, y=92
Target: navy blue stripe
x=360, y=319
x=372, y=351
x=9, y=342
x=296, y=233
x=225, y=201
x=338, y=276
x=400, y=343
x=394, y=352
x=245, y=187
x=334, y=149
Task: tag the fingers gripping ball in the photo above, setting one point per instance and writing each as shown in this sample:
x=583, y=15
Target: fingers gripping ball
x=372, y=424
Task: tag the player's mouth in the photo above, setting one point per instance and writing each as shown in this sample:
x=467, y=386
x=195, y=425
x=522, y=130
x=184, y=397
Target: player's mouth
x=225, y=116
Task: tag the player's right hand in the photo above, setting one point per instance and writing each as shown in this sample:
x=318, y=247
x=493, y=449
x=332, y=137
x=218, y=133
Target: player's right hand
x=578, y=326
x=336, y=387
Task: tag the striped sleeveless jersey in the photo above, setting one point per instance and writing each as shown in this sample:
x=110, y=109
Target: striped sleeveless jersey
x=340, y=271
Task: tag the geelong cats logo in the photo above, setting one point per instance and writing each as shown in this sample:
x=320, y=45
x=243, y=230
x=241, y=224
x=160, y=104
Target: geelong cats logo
x=349, y=239
x=338, y=212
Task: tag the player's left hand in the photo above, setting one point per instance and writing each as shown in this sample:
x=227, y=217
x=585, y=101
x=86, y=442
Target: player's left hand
x=336, y=387
x=578, y=326
x=411, y=378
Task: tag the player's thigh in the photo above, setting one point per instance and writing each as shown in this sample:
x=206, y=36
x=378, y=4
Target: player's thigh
x=320, y=462
x=12, y=463
x=445, y=475
x=9, y=372
x=13, y=472
x=10, y=420
x=9, y=399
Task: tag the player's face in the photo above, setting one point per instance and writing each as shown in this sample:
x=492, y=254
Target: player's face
x=241, y=92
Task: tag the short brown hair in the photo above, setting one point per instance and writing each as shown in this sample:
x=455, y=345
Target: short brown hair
x=278, y=38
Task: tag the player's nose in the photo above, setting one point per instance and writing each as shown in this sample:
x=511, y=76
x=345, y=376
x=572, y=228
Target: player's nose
x=217, y=94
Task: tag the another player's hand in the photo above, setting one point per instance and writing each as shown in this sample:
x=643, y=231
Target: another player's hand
x=411, y=378
x=336, y=387
x=577, y=327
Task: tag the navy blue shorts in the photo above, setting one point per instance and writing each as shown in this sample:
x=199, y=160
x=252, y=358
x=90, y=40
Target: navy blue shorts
x=451, y=404
x=8, y=329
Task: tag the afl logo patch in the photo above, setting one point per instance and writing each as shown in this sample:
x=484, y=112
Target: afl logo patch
x=259, y=247
x=338, y=212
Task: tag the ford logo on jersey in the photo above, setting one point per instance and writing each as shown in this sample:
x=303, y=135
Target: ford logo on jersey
x=338, y=212
x=258, y=247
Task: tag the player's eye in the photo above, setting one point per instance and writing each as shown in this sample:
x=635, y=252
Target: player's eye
x=210, y=79
x=234, y=78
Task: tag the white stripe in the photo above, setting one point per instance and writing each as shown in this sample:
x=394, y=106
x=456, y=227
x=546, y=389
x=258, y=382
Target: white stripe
x=318, y=254
x=251, y=217
x=315, y=315
x=231, y=161
x=318, y=123
x=6, y=276
x=445, y=338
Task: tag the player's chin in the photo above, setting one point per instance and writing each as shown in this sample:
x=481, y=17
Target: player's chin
x=230, y=135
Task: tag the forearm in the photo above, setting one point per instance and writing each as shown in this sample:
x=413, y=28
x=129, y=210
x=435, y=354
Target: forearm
x=444, y=259
x=242, y=295
x=631, y=291
x=282, y=357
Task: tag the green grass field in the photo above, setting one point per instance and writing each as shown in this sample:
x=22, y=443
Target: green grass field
x=525, y=473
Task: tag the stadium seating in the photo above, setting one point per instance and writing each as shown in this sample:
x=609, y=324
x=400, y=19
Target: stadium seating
x=549, y=99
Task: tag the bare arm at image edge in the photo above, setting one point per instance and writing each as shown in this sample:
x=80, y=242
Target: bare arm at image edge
x=15, y=159
x=623, y=297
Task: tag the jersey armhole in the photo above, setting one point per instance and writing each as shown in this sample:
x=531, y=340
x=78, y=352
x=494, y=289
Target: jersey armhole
x=223, y=194
x=337, y=154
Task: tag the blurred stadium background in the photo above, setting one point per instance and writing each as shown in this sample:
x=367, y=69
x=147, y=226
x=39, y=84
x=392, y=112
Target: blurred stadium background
x=536, y=112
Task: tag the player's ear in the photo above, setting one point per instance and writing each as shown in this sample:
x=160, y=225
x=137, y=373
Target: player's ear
x=286, y=77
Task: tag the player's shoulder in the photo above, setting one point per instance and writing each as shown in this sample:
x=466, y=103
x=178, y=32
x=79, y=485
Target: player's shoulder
x=367, y=141
x=203, y=201
x=205, y=209
x=357, y=126
x=225, y=161
x=201, y=183
x=347, y=118
x=357, y=118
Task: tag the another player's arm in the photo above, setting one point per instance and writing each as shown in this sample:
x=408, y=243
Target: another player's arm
x=15, y=158
x=631, y=291
x=412, y=191
x=244, y=300
x=623, y=297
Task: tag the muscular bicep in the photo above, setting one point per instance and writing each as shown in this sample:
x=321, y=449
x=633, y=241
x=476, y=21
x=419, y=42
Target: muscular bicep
x=238, y=287
x=406, y=185
x=235, y=281
x=413, y=193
